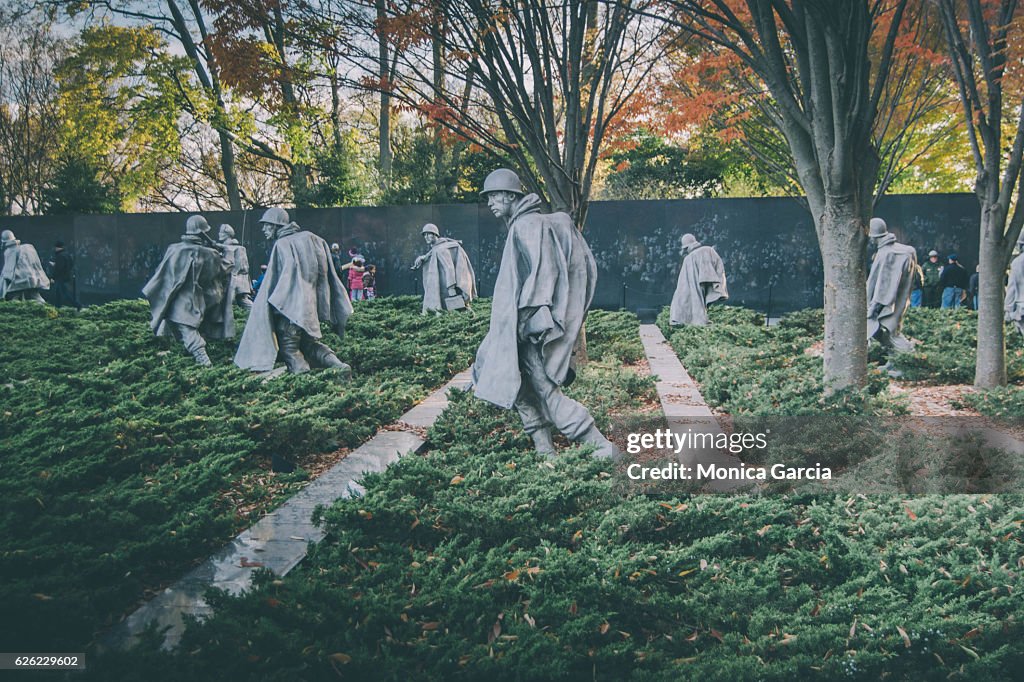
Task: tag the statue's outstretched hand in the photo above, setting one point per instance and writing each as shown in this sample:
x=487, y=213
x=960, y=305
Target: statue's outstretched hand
x=539, y=325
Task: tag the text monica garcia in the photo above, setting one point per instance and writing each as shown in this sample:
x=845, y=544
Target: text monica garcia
x=673, y=471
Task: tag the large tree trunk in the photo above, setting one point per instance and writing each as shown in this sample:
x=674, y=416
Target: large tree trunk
x=384, y=71
x=843, y=245
x=227, y=166
x=990, y=367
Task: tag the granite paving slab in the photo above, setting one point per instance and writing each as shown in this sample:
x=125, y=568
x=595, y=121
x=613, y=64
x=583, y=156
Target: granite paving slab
x=684, y=407
x=279, y=540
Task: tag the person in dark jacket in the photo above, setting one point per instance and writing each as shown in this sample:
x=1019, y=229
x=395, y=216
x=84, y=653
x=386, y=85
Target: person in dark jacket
x=62, y=276
x=954, y=282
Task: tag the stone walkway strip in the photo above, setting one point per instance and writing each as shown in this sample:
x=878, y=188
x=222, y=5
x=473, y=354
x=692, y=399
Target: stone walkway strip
x=279, y=540
x=683, y=405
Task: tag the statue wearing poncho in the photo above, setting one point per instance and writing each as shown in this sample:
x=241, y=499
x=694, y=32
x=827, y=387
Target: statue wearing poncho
x=447, y=273
x=239, y=289
x=544, y=287
x=186, y=293
x=300, y=289
x=22, y=276
x=890, y=282
x=1014, y=305
x=701, y=281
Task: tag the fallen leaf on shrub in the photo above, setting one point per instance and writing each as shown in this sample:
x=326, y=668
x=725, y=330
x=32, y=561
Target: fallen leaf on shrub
x=971, y=652
x=786, y=638
x=340, y=658
x=495, y=631
x=703, y=564
x=529, y=619
x=903, y=634
x=764, y=530
x=432, y=625
x=456, y=479
x=693, y=637
x=973, y=632
x=604, y=627
x=912, y=515
x=511, y=575
x=716, y=634
x=42, y=597
x=686, y=572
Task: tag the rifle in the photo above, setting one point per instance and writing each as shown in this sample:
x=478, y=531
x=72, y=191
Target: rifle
x=212, y=243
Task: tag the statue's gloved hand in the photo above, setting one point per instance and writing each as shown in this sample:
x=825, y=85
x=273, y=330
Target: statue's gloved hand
x=417, y=263
x=875, y=311
x=539, y=325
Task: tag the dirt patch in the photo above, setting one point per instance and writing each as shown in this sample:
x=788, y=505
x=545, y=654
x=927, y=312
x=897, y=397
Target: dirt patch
x=926, y=400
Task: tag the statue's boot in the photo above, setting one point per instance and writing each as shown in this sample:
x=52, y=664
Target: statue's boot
x=604, y=448
x=201, y=357
x=194, y=343
x=321, y=356
x=542, y=442
x=288, y=340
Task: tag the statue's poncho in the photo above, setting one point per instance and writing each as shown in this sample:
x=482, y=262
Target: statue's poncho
x=889, y=284
x=302, y=285
x=239, y=283
x=188, y=288
x=701, y=281
x=546, y=262
x=1014, y=304
x=447, y=264
x=22, y=270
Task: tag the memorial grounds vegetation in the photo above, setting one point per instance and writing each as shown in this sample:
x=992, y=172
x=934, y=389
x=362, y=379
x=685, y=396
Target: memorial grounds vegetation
x=125, y=463
x=480, y=559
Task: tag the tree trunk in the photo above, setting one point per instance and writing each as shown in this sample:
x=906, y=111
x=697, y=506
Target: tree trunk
x=335, y=109
x=990, y=367
x=384, y=126
x=843, y=242
x=227, y=165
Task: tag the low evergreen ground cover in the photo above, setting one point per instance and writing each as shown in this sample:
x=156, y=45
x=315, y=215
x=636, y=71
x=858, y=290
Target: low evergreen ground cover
x=744, y=367
x=767, y=381
x=124, y=462
x=481, y=560
x=945, y=353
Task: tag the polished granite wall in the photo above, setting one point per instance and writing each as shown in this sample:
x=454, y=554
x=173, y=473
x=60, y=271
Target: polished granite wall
x=768, y=245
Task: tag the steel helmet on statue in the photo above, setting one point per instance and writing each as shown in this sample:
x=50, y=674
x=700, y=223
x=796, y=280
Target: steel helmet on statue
x=503, y=180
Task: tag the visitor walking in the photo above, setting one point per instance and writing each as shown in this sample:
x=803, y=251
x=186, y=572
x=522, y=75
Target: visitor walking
x=954, y=282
